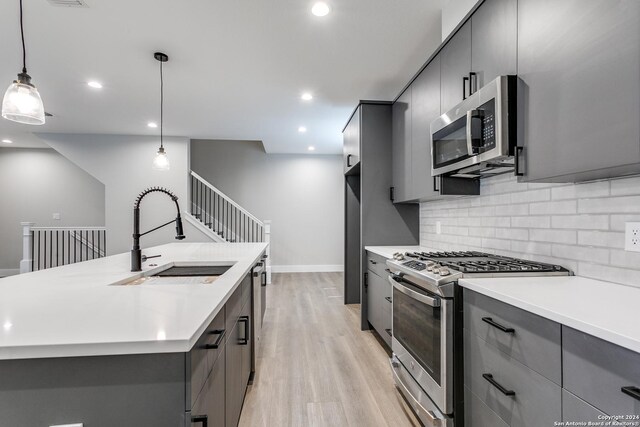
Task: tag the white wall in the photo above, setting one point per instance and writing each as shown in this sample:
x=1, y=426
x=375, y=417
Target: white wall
x=303, y=196
x=35, y=184
x=453, y=11
x=124, y=165
x=579, y=226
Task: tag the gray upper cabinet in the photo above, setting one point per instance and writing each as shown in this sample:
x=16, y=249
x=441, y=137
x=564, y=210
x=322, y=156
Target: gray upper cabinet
x=494, y=35
x=351, y=144
x=425, y=107
x=455, y=65
x=401, y=147
x=580, y=62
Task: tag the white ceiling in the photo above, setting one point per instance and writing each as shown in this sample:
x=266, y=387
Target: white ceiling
x=237, y=68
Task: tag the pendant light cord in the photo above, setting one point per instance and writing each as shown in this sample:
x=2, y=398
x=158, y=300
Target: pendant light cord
x=161, y=104
x=24, y=49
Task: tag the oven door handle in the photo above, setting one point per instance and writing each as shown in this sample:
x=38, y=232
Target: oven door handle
x=433, y=302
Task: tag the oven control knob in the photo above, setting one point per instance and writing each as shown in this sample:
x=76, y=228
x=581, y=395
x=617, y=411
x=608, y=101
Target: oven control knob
x=444, y=272
x=435, y=270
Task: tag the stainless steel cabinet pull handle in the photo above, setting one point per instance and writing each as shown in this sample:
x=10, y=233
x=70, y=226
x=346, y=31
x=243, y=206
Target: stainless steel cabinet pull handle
x=495, y=383
x=632, y=391
x=504, y=329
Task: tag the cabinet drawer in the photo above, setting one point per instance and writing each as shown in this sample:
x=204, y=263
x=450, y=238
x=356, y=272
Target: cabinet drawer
x=577, y=410
x=233, y=307
x=534, y=341
x=536, y=400
x=385, y=322
x=210, y=404
x=203, y=355
x=477, y=414
x=596, y=371
x=377, y=264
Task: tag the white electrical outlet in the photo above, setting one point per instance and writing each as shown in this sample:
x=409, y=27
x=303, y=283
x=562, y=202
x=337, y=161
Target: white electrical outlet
x=56, y=216
x=632, y=237
x=438, y=227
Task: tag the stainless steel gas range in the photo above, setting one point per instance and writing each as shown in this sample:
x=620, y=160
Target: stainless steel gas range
x=427, y=324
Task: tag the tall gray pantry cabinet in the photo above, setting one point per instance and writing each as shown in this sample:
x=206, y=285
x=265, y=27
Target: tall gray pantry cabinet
x=371, y=218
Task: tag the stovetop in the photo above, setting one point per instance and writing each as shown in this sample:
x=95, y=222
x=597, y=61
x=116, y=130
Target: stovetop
x=435, y=269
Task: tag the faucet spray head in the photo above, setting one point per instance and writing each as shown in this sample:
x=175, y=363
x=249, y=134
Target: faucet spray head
x=179, y=230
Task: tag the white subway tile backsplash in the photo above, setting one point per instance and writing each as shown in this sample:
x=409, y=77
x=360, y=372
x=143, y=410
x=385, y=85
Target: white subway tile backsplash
x=629, y=204
x=601, y=238
x=551, y=208
x=553, y=236
x=586, y=222
x=577, y=191
x=579, y=226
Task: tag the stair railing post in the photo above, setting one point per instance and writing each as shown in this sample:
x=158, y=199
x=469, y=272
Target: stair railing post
x=267, y=239
x=25, y=263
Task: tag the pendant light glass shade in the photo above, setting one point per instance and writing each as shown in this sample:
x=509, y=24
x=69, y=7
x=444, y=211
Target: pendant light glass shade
x=22, y=102
x=161, y=161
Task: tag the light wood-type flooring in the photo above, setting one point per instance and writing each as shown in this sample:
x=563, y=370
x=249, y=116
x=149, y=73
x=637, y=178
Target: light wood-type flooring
x=315, y=366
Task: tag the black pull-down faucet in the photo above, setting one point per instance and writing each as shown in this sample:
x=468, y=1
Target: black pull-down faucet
x=136, y=252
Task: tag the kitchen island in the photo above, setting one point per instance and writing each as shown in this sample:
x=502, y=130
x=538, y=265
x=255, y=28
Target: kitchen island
x=80, y=344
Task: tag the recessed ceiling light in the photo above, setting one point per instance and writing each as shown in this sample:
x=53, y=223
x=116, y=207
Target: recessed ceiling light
x=94, y=84
x=306, y=96
x=152, y=124
x=312, y=148
x=7, y=141
x=302, y=129
x=320, y=9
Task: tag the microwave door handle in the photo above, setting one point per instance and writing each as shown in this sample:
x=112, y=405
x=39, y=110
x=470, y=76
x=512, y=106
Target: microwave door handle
x=433, y=302
x=469, y=134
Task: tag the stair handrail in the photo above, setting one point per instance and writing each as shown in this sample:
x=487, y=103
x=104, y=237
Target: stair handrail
x=227, y=198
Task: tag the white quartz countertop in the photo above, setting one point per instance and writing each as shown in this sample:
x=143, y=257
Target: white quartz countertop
x=605, y=310
x=388, y=251
x=76, y=310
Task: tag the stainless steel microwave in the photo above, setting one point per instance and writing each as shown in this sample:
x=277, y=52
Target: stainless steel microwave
x=478, y=137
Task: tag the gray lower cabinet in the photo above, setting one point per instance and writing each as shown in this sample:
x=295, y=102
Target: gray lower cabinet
x=478, y=414
x=517, y=394
x=575, y=409
x=379, y=297
x=204, y=386
x=580, y=62
x=401, y=147
x=209, y=409
x=455, y=66
x=494, y=35
x=603, y=374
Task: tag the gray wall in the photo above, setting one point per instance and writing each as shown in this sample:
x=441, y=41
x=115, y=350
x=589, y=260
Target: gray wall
x=35, y=184
x=124, y=164
x=303, y=196
x=580, y=226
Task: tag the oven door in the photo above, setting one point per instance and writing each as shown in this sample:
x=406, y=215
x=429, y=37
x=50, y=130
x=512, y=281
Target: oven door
x=423, y=339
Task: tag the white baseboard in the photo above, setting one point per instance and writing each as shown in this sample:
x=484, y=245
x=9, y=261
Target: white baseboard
x=8, y=271
x=306, y=268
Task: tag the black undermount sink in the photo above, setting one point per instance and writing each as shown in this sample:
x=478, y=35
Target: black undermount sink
x=194, y=271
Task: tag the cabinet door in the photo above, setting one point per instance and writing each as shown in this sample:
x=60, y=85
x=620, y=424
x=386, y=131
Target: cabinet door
x=401, y=146
x=425, y=107
x=455, y=64
x=351, y=142
x=211, y=402
x=373, y=300
x=234, y=393
x=244, y=325
x=494, y=32
x=580, y=62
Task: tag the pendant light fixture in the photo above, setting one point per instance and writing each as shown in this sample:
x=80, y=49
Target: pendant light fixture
x=161, y=161
x=22, y=102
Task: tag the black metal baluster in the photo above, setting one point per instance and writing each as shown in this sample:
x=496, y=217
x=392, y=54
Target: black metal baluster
x=33, y=245
x=86, y=246
x=104, y=241
x=93, y=244
x=57, y=249
x=50, y=249
x=99, y=248
x=62, y=255
x=68, y=246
